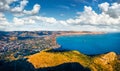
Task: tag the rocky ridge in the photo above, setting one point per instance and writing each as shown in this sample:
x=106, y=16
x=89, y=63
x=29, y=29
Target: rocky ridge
x=104, y=62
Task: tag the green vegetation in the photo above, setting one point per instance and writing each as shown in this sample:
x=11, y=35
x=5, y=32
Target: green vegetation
x=48, y=58
x=28, y=54
x=55, y=60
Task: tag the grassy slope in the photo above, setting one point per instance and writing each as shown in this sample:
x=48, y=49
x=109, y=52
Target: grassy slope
x=49, y=59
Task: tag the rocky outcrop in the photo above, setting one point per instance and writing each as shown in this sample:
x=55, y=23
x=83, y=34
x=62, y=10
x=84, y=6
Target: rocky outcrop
x=104, y=62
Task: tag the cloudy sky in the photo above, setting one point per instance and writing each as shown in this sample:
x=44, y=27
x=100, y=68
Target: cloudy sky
x=60, y=15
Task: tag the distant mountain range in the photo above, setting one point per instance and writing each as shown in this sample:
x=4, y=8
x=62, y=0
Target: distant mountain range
x=25, y=33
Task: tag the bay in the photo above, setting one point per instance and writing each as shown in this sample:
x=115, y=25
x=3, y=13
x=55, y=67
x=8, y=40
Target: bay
x=91, y=44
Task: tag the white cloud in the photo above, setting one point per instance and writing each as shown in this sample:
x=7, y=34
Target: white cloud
x=88, y=20
x=104, y=6
x=23, y=21
x=4, y=4
x=3, y=20
x=20, y=7
x=2, y=17
x=18, y=21
x=35, y=10
x=90, y=17
x=20, y=11
x=112, y=11
x=108, y=20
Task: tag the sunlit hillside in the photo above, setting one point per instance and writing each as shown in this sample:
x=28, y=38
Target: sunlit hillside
x=50, y=58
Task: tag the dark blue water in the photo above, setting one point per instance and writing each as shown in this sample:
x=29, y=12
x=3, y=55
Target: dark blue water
x=91, y=44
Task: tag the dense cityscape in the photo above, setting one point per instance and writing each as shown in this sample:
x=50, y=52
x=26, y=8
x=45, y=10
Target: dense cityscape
x=22, y=46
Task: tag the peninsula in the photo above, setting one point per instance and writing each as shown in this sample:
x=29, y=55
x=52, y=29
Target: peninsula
x=26, y=51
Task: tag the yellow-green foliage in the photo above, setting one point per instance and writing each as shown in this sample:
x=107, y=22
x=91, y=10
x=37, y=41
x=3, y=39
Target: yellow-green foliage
x=48, y=59
x=105, y=62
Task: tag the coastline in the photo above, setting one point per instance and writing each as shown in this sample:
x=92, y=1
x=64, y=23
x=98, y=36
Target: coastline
x=78, y=33
x=55, y=35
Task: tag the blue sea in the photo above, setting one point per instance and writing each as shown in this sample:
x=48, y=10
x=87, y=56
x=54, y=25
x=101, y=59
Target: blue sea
x=91, y=44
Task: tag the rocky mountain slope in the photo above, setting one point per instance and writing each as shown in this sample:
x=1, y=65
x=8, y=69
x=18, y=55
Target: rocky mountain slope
x=52, y=60
x=48, y=58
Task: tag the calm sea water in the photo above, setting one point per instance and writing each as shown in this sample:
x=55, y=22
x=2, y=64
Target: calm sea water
x=91, y=44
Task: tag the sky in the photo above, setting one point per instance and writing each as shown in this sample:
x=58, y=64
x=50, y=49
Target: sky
x=60, y=15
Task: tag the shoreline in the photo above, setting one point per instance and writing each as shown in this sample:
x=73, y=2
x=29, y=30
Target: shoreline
x=75, y=34
x=54, y=36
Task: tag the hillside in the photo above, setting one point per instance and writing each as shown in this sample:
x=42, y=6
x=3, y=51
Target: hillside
x=23, y=51
x=51, y=58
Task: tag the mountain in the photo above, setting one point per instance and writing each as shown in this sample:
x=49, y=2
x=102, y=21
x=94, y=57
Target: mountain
x=49, y=59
